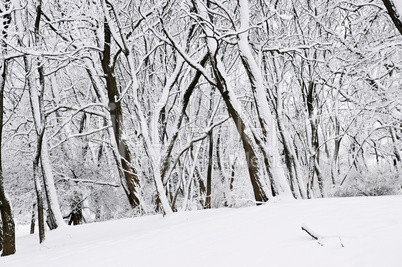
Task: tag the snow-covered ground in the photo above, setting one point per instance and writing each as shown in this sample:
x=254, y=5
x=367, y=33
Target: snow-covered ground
x=354, y=232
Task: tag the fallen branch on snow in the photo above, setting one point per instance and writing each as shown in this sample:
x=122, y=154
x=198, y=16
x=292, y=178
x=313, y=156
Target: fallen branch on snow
x=310, y=232
x=320, y=238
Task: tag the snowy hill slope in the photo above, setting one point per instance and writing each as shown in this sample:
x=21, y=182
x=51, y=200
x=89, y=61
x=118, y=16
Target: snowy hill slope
x=369, y=229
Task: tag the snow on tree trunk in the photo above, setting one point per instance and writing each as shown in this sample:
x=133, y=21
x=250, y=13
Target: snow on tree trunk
x=37, y=183
x=267, y=123
x=186, y=186
x=98, y=86
x=36, y=98
x=153, y=150
x=38, y=190
x=230, y=99
x=37, y=107
x=54, y=212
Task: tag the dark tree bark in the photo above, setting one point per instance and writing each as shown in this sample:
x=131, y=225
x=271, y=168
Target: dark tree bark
x=132, y=182
x=38, y=189
x=253, y=168
x=209, y=171
x=232, y=174
x=41, y=162
x=7, y=234
x=184, y=103
x=8, y=226
x=5, y=206
x=1, y=234
x=35, y=164
x=315, y=170
x=337, y=145
x=33, y=219
x=393, y=13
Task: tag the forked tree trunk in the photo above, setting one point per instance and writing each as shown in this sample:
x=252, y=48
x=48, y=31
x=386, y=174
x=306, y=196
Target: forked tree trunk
x=223, y=85
x=290, y=154
x=269, y=144
x=253, y=167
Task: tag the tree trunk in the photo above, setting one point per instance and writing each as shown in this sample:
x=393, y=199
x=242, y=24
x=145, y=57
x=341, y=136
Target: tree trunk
x=132, y=182
x=8, y=227
x=38, y=190
x=33, y=219
x=394, y=14
x=397, y=154
x=1, y=234
x=251, y=158
x=222, y=83
x=335, y=158
x=37, y=106
x=208, y=204
x=269, y=137
x=314, y=140
x=209, y=171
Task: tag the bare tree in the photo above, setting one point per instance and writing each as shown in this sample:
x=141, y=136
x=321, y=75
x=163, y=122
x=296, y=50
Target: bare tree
x=7, y=221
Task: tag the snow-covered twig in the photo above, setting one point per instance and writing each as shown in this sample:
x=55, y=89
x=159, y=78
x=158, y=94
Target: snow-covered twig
x=320, y=238
x=88, y=181
x=80, y=135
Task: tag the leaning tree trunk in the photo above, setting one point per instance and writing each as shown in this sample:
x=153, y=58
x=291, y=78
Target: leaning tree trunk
x=394, y=14
x=254, y=167
x=132, y=182
x=292, y=161
x=269, y=148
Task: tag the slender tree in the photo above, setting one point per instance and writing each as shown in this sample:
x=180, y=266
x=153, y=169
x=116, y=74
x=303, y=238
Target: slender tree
x=7, y=231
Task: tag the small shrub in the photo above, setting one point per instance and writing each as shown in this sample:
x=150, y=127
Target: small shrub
x=378, y=184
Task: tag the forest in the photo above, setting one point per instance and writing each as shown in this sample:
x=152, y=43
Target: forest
x=118, y=108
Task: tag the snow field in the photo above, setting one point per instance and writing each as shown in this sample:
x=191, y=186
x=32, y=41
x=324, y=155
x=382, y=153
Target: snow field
x=369, y=228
